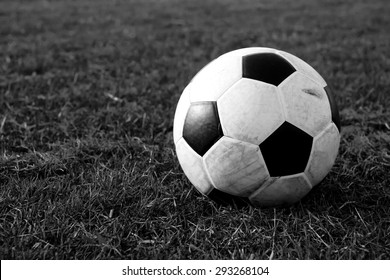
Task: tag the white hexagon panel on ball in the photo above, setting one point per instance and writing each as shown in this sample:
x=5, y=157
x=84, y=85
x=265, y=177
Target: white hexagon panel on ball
x=305, y=103
x=235, y=167
x=303, y=67
x=215, y=78
x=250, y=111
x=251, y=50
x=281, y=191
x=323, y=154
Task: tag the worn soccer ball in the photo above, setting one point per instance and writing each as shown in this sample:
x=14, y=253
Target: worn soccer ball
x=257, y=124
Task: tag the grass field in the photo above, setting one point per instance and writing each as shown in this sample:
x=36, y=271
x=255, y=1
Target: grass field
x=88, y=91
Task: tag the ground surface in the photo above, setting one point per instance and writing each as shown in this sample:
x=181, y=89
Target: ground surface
x=88, y=91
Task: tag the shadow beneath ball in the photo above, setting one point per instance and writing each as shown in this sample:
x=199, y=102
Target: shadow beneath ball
x=225, y=199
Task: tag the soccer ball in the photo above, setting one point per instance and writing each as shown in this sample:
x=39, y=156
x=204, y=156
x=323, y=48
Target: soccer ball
x=258, y=124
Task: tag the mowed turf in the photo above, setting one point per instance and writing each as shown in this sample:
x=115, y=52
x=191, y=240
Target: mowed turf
x=88, y=91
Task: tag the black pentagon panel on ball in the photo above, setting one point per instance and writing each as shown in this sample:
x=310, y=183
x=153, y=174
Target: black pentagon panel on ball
x=225, y=199
x=266, y=67
x=287, y=150
x=333, y=107
x=202, y=127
